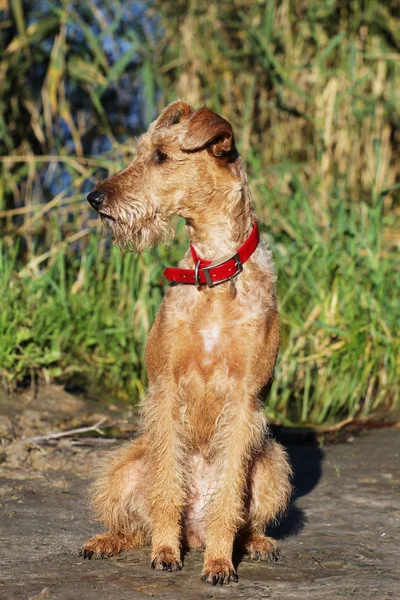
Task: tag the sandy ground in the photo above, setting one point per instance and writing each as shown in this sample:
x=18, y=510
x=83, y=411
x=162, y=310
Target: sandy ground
x=340, y=538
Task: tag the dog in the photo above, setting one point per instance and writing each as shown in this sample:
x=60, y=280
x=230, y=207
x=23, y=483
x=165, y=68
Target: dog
x=204, y=473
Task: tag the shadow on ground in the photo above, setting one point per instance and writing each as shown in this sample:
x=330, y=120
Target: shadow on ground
x=306, y=457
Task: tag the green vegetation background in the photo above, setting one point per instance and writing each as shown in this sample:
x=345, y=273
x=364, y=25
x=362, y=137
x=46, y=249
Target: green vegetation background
x=313, y=92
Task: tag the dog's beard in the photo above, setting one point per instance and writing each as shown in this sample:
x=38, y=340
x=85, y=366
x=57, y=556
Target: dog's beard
x=137, y=226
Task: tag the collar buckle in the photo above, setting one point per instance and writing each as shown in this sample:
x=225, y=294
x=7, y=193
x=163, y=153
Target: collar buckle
x=206, y=270
x=197, y=282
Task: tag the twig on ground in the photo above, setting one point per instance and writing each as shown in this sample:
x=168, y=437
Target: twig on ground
x=61, y=434
x=317, y=561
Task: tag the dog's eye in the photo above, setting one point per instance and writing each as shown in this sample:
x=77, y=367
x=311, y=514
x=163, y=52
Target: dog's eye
x=159, y=156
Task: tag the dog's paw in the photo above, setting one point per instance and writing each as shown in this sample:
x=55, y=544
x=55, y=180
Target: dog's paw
x=101, y=546
x=219, y=570
x=166, y=559
x=261, y=547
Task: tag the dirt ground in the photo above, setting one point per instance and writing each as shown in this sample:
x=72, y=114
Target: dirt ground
x=340, y=538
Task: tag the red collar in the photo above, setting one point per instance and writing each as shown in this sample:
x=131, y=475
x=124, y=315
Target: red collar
x=211, y=273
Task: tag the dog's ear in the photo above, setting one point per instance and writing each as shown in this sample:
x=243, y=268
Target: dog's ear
x=207, y=129
x=174, y=113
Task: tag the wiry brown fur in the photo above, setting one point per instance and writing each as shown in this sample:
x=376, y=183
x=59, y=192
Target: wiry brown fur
x=204, y=471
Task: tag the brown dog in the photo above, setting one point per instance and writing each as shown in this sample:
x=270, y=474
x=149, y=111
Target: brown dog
x=204, y=472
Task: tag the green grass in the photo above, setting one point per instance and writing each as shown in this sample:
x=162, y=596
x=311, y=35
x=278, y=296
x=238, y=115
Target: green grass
x=338, y=297
x=84, y=319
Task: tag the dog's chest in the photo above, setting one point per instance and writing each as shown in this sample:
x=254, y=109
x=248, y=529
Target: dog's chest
x=206, y=345
x=210, y=336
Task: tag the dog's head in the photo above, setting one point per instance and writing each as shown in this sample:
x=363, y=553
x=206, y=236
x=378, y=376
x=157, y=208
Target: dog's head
x=186, y=164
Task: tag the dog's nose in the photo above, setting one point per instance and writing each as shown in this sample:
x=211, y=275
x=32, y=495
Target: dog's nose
x=95, y=198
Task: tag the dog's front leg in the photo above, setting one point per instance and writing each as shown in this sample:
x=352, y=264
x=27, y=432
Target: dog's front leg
x=240, y=434
x=167, y=496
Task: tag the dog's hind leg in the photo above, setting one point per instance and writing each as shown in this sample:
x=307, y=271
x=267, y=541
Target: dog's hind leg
x=269, y=496
x=109, y=544
x=120, y=500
